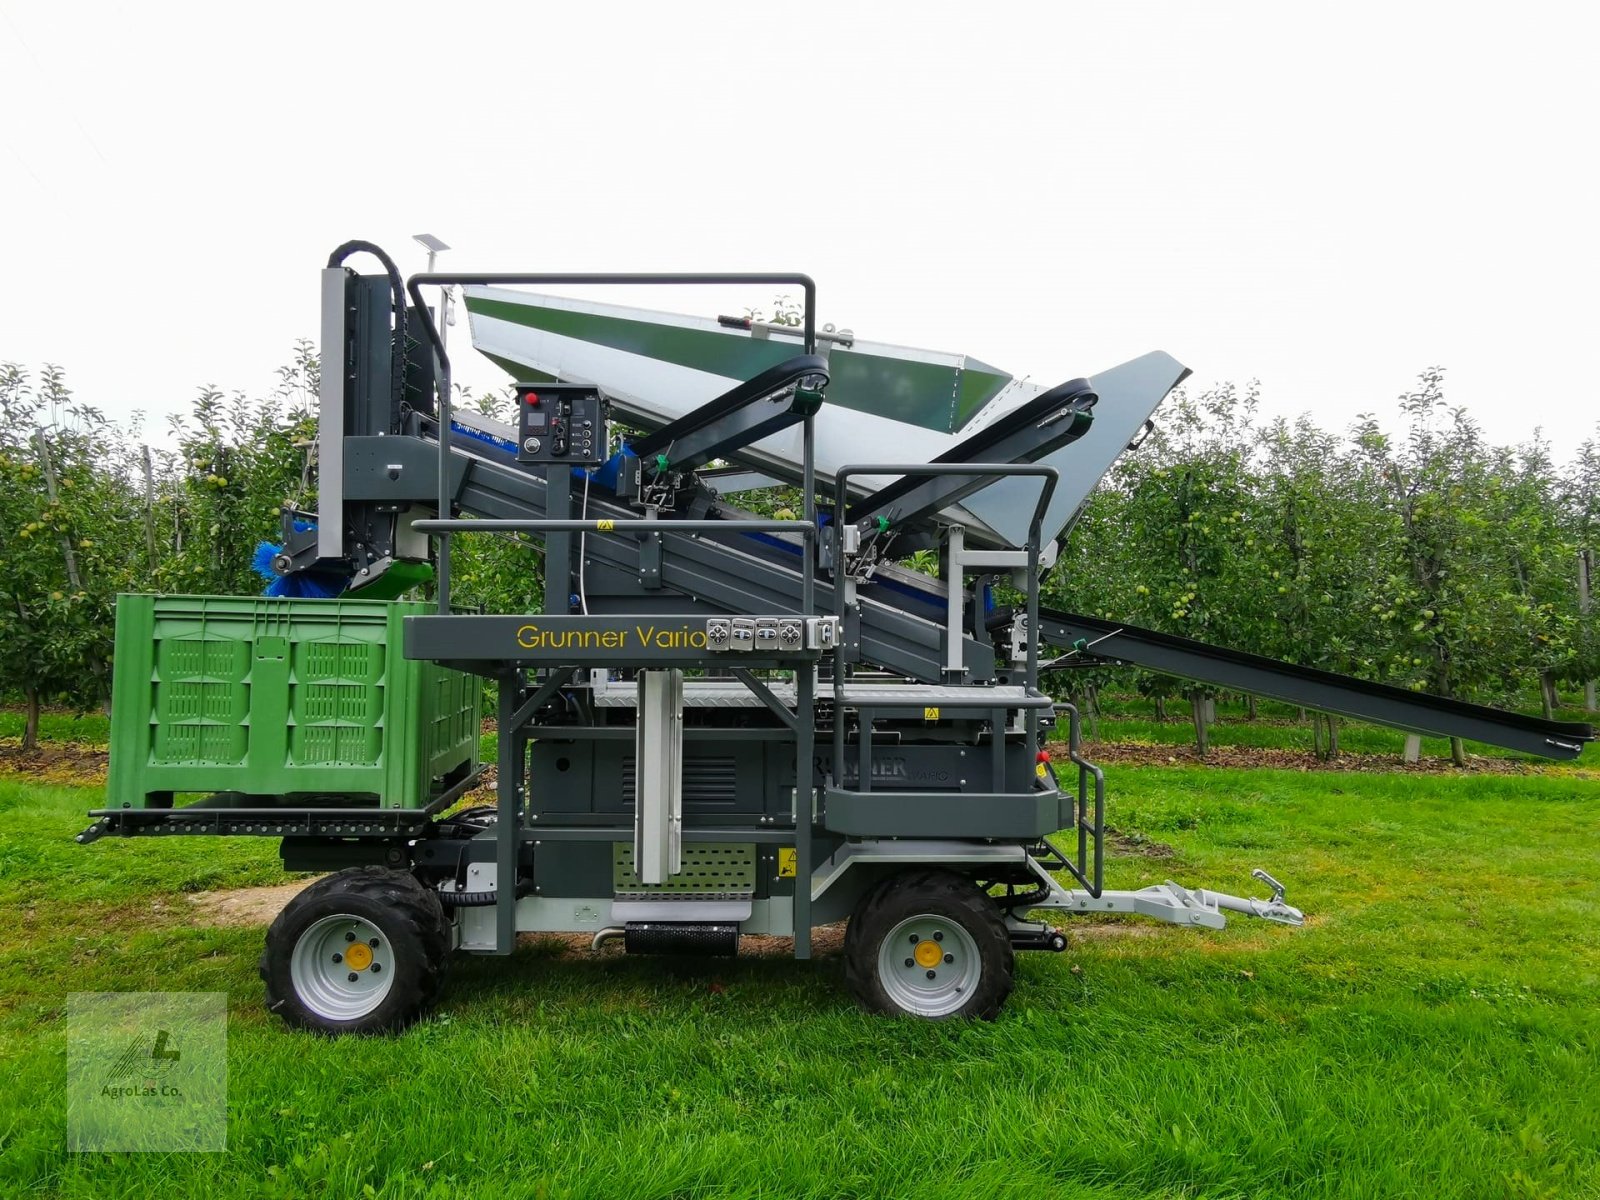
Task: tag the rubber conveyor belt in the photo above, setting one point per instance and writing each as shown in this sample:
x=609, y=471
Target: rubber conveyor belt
x=1381, y=703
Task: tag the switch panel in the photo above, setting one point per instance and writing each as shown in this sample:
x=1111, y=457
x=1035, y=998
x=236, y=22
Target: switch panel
x=561, y=423
x=773, y=635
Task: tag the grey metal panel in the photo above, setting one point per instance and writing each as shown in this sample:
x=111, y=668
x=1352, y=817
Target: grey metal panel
x=1128, y=395
x=658, y=779
x=680, y=910
x=330, y=416
x=945, y=814
x=910, y=851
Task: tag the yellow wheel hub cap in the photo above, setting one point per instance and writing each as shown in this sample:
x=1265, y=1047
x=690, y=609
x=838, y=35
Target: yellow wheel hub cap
x=358, y=956
x=929, y=954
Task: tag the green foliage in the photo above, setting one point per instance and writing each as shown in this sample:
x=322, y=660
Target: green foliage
x=1429, y=559
x=89, y=509
x=235, y=464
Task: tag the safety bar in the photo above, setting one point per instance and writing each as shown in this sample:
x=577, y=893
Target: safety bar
x=1093, y=881
x=842, y=593
x=625, y=525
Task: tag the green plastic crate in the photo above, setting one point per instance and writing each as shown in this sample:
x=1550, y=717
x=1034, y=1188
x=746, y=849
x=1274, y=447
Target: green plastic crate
x=282, y=698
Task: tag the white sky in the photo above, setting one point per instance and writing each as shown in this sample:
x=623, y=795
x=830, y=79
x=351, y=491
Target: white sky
x=1325, y=197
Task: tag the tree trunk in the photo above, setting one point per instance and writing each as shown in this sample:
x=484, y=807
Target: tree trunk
x=1161, y=709
x=30, y=727
x=1552, y=693
x=149, y=507
x=50, y=490
x=1458, y=752
x=1413, y=750
x=1250, y=708
x=1333, y=736
x=1198, y=708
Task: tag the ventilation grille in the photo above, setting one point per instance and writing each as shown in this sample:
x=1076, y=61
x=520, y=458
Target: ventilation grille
x=710, y=782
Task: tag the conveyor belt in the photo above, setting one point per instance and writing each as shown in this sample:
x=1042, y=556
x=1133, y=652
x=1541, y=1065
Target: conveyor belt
x=1381, y=703
x=900, y=614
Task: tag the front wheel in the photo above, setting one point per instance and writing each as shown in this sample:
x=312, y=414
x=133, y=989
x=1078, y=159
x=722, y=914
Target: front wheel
x=929, y=944
x=362, y=951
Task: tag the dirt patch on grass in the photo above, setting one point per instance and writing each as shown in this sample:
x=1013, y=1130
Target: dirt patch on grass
x=1144, y=754
x=826, y=942
x=243, y=906
x=1104, y=931
x=1136, y=845
x=60, y=763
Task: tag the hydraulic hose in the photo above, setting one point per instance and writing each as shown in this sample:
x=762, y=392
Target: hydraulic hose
x=398, y=291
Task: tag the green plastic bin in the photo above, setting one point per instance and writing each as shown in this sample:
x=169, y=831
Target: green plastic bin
x=278, y=699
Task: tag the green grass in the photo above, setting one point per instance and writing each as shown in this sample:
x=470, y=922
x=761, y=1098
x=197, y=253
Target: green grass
x=58, y=725
x=1432, y=1033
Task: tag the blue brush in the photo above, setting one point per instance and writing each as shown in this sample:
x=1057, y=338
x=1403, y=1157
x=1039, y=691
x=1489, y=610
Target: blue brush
x=299, y=585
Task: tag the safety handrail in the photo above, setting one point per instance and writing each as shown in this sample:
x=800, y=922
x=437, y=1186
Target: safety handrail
x=1050, y=477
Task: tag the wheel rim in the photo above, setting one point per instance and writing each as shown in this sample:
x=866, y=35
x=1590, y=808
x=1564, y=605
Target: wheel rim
x=328, y=953
x=932, y=945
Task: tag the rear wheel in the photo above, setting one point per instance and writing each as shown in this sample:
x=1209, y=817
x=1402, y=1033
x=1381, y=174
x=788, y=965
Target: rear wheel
x=929, y=944
x=363, y=951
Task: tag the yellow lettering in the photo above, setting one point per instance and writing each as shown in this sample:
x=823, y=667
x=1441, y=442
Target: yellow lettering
x=528, y=636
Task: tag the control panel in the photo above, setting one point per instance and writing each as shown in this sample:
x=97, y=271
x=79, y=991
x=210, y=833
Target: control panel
x=561, y=423
x=773, y=635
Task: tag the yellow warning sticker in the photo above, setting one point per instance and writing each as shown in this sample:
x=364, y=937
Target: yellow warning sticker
x=605, y=526
x=786, y=862
x=1042, y=771
x=930, y=714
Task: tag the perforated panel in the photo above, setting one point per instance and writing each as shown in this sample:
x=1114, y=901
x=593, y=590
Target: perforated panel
x=708, y=867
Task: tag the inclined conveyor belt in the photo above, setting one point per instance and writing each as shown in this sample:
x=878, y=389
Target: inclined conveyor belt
x=1309, y=687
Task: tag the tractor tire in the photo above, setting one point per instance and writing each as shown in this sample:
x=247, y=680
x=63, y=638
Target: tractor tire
x=362, y=951
x=930, y=944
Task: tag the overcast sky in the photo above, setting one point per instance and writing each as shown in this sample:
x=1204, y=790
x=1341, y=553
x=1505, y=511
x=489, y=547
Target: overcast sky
x=1328, y=198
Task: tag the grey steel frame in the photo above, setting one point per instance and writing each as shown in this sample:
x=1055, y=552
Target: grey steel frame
x=843, y=596
x=511, y=791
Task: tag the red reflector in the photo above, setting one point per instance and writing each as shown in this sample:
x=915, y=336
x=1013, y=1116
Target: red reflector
x=533, y=399
x=1042, y=756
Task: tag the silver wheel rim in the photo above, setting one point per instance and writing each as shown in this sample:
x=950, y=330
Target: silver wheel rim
x=328, y=954
x=955, y=974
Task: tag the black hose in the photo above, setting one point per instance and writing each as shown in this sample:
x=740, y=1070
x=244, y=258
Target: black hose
x=479, y=899
x=397, y=289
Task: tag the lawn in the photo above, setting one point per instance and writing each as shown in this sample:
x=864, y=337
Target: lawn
x=1432, y=1032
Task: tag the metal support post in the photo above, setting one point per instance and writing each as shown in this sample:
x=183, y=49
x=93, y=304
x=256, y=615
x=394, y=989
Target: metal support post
x=558, y=543
x=508, y=827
